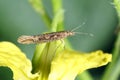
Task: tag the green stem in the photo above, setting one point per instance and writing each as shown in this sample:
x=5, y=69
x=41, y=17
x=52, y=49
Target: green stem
x=47, y=20
x=58, y=12
x=36, y=58
x=57, y=23
x=38, y=6
x=57, y=5
x=85, y=76
x=45, y=61
x=116, y=73
x=111, y=69
x=117, y=6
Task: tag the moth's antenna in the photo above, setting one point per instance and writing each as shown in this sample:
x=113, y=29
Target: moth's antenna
x=73, y=30
x=78, y=27
x=90, y=34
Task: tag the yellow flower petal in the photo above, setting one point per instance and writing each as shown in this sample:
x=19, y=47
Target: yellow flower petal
x=68, y=64
x=12, y=57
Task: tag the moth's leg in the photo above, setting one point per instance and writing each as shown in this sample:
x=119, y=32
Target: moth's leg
x=59, y=46
x=62, y=42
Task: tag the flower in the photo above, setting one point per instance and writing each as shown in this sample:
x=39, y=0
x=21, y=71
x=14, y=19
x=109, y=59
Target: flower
x=64, y=66
x=12, y=57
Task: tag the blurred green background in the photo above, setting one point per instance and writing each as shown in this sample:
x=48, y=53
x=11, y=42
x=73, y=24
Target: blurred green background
x=17, y=17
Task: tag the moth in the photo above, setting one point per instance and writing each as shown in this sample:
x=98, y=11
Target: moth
x=47, y=37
